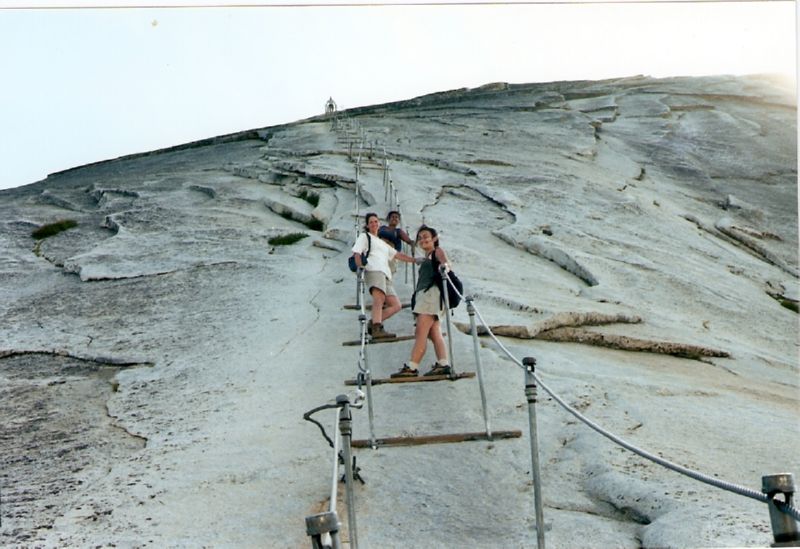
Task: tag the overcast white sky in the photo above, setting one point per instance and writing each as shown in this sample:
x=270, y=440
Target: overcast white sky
x=81, y=85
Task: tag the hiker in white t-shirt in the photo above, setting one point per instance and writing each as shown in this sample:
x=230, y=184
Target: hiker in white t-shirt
x=378, y=275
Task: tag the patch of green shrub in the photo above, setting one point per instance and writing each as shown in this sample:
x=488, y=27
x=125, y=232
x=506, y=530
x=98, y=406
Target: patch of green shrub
x=286, y=239
x=51, y=229
x=312, y=199
x=313, y=224
x=786, y=303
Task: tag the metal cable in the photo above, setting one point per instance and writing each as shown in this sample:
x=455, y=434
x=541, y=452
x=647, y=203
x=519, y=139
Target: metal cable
x=307, y=417
x=724, y=485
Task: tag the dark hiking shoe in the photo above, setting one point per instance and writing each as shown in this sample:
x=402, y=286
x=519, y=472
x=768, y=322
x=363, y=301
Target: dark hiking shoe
x=379, y=333
x=439, y=370
x=405, y=371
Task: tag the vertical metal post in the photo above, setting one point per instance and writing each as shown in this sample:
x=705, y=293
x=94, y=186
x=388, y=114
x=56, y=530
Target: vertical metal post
x=784, y=526
x=413, y=265
x=323, y=525
x=363, y=301
x=346, y=427
x=359, y=283
x=405, y=265
x=362, y=319
x=530, y=394
x=358, y=196
x=406, y=247
x=367, y=378
x=336, y=449
x=369, y=409
x=476, y=347
x=357, y=231
x=443, y=272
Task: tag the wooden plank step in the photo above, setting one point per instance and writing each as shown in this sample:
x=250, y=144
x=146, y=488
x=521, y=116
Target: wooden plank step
x=436, y=439
x=382, y=340
x=415, y=379
x=352, y=307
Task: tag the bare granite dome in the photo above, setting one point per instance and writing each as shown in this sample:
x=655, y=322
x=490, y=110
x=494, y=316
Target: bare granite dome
x=638, y=237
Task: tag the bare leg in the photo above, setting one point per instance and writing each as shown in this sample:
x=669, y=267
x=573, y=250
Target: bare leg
x=378, y=297
x=435, y=335
x=424, y=323
x=392, y=306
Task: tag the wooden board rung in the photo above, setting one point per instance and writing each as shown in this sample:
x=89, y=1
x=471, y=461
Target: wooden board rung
x=415, y=379
x=380, y=340
x=436, y=439
x=351, y=306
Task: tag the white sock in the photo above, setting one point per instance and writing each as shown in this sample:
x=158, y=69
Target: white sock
x=442, y=362
x=413, y=365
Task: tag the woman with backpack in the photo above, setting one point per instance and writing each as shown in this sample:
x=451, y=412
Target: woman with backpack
x=378, y=275
x=428, y=308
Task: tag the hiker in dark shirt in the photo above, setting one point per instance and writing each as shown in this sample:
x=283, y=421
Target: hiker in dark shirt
x=428, y=309
x=394, y=235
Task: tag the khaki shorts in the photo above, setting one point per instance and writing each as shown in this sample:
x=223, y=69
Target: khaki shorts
x=427, y=302
x=376, y=279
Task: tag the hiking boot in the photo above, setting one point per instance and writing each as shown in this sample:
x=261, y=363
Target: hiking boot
x=379, y=333
x=439, y=370
x=405, y=371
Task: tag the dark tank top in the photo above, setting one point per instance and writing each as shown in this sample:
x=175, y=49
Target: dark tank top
x=427, y=270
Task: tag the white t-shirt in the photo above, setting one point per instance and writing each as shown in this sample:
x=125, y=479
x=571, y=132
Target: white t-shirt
x=379, y=254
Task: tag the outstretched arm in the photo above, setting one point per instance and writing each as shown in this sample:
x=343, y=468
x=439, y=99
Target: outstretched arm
x=408, y=259
x=405, y=238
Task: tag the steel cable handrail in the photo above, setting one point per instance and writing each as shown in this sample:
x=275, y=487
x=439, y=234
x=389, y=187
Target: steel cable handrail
x=696, y=475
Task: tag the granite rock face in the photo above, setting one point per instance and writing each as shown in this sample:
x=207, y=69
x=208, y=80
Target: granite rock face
x=157, y=359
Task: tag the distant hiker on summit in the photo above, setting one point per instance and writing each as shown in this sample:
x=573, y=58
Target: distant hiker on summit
x=427, y=308
x=378, y=275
